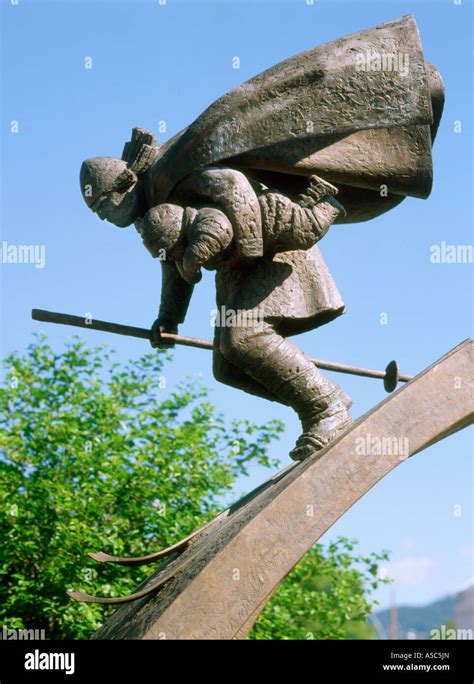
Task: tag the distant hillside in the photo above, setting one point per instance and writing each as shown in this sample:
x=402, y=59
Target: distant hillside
x=418, y=619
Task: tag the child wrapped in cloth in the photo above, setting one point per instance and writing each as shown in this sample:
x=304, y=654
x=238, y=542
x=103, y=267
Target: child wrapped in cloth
x=288, y=290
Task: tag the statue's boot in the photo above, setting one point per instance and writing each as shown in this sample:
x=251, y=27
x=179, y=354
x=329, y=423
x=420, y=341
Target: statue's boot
x=318, y=402
x=320, y=428
x=291, y=378
x=341, y=393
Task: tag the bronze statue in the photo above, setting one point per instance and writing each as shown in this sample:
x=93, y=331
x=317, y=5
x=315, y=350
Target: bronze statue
x=250, y=187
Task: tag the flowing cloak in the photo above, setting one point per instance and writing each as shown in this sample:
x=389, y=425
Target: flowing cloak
x=361, y=112
x=294, y=290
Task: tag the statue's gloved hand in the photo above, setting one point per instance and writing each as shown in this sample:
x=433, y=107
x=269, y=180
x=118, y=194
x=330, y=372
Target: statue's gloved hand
x=161, y=326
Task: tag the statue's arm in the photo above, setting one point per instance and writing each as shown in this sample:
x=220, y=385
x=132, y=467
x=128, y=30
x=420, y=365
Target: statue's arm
x=175, y=297
x=293, y=225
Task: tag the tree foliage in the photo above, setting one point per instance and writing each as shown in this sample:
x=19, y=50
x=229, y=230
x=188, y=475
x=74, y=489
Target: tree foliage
x=326, y=596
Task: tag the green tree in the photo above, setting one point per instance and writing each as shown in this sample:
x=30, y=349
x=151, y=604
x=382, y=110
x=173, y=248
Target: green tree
x=94, y=455
x=326, y=596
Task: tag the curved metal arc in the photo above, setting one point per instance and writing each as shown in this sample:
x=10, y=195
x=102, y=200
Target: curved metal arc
x=268, y=534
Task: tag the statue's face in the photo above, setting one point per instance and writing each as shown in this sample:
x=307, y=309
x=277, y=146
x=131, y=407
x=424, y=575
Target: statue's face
x=110, y=190
x=117, y=208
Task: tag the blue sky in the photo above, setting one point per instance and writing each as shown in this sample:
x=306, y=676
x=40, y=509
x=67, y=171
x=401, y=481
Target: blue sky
x=155, y=62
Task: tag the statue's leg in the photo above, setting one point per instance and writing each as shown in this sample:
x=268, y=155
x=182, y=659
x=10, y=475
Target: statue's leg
x=229, y=374
x=275, y=363
x=234, y=376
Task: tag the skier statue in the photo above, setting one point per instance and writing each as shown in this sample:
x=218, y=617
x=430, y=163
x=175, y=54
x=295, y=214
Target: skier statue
x=255, y=182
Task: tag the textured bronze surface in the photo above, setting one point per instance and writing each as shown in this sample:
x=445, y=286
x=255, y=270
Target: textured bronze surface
x=339, y=133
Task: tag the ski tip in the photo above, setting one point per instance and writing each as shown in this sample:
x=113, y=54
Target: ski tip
x=80, y=596
x=102, y=557
x=87, y=598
